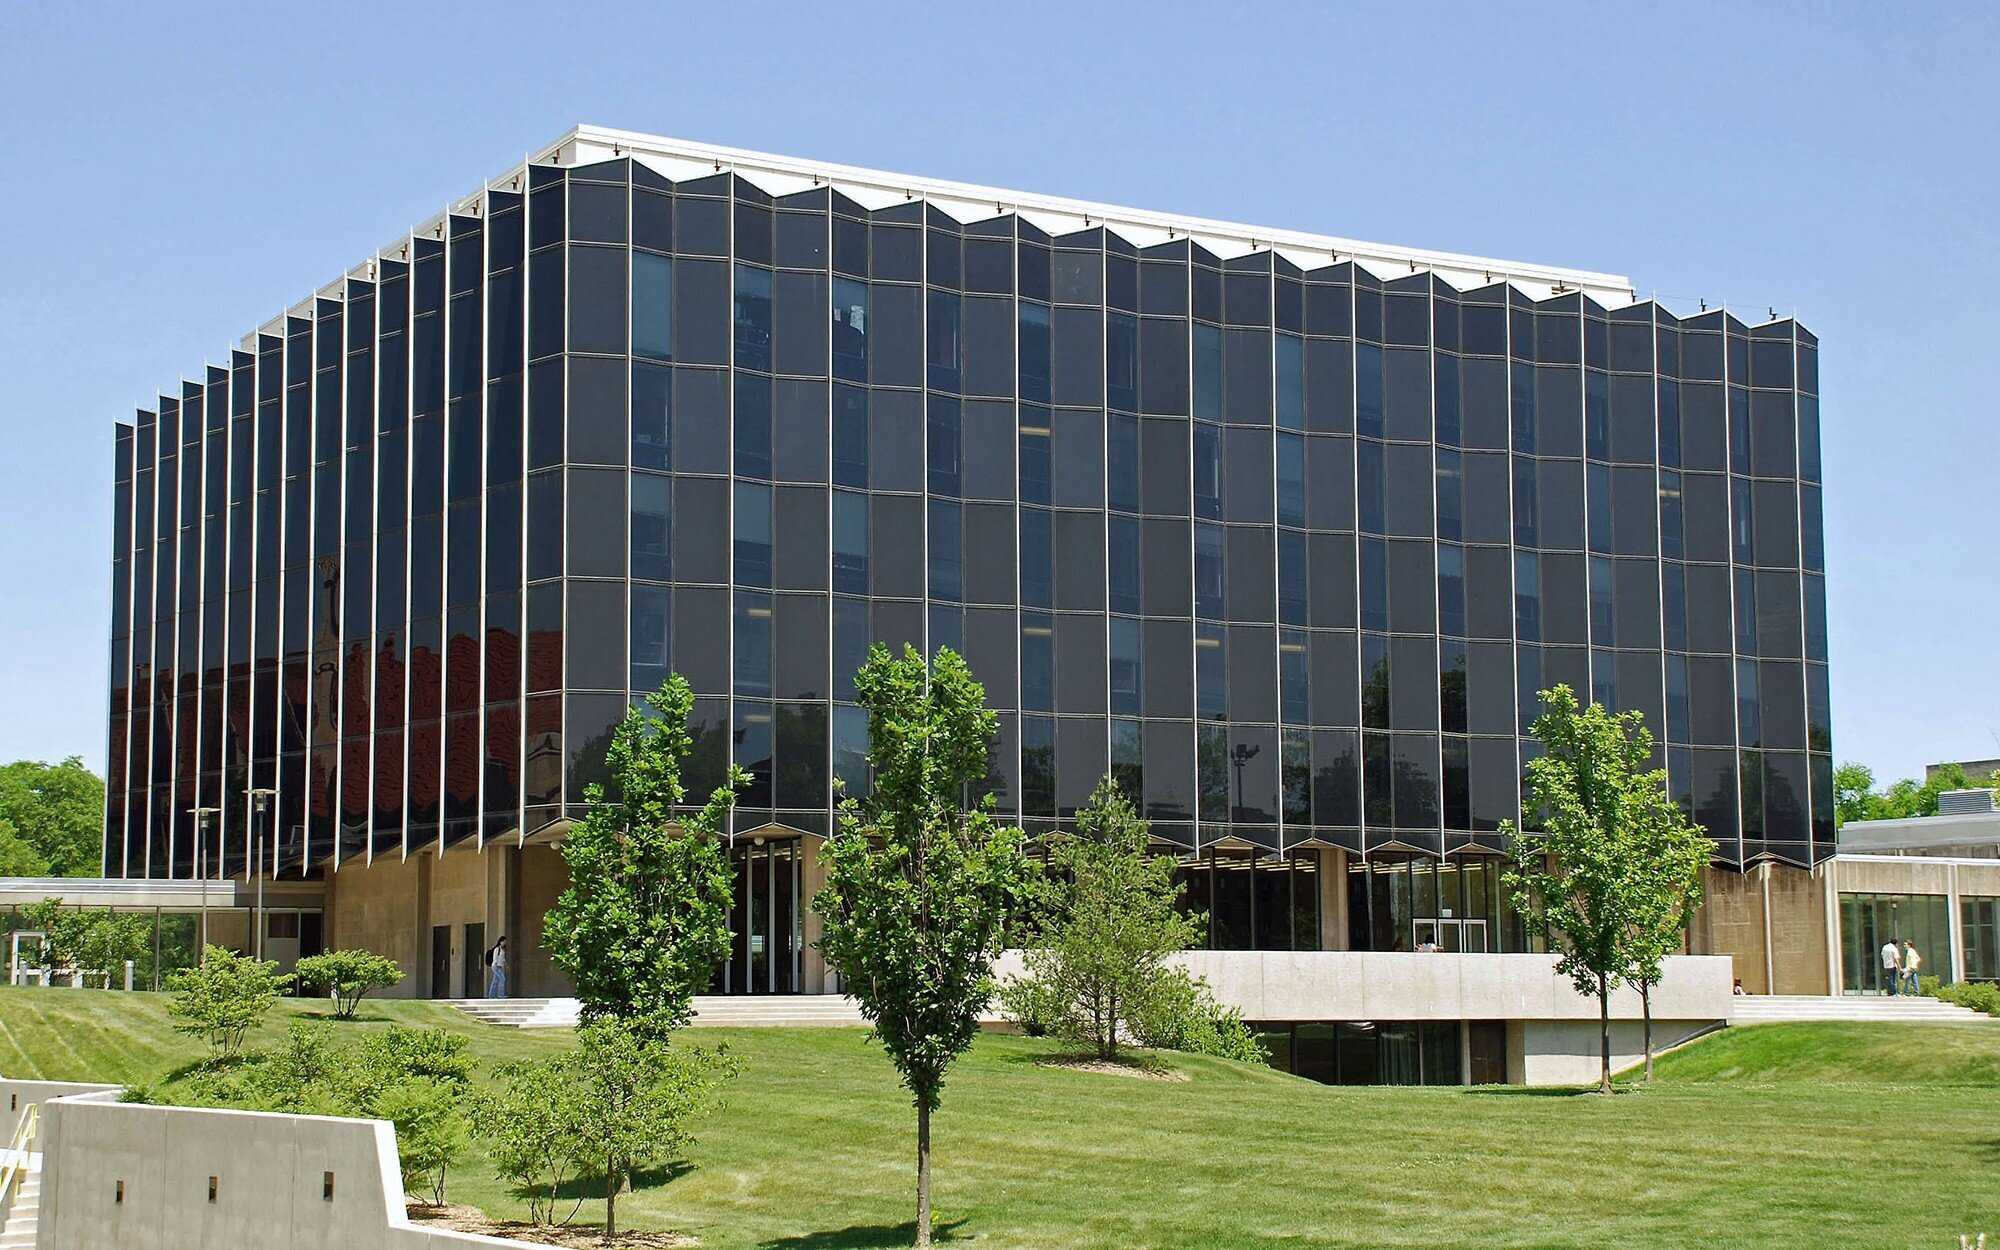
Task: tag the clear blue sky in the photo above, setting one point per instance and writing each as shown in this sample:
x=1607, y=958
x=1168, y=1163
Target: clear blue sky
x=176, y=176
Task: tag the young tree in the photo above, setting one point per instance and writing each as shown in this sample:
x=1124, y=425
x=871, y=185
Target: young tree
x=920, y=878
x=1574, y=874
x=1112, y=919
x=646, y=917
x=1668, y=855
x=633, y=1100
x=348, y=975
x=221, y=999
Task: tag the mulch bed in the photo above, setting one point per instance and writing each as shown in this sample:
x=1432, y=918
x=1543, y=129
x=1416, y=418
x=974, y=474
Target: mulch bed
x=466, y=1219
x=1105, y=1067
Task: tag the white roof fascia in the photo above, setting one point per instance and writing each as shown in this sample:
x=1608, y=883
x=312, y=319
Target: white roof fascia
x=680, y=159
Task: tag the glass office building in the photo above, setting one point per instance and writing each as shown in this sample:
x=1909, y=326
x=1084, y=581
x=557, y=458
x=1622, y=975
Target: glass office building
x=1283, y=532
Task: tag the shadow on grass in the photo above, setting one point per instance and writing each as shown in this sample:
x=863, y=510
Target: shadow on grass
x=865, y=1237
x=592, y=1187
x=1536, y=1091
x=333, y=1018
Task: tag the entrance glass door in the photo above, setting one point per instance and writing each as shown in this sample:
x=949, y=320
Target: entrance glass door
x=1455, y=936
x=763, y=919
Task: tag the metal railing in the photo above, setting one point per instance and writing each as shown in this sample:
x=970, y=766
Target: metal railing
x=16, y=1165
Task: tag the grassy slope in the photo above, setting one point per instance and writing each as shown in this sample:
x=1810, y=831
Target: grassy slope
x=1742, y=1143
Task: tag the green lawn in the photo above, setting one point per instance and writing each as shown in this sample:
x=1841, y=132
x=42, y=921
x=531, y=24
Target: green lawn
x=1772, y=1136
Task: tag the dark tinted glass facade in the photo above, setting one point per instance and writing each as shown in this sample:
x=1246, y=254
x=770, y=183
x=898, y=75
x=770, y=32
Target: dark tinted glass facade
x=1288, y=550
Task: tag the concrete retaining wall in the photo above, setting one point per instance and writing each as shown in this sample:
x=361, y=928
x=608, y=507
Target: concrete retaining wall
x=270, y=1172
x=1397, y=985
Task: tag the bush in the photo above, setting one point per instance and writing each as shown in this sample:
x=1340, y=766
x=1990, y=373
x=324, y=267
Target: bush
x=430, y=1132
x=1180, y=1013
x=620, y=1102
x=399, y=1054
x=1032, y=1004
x=1978, y=995
x=348, y=975
x=527, y=1118
x=225, y=996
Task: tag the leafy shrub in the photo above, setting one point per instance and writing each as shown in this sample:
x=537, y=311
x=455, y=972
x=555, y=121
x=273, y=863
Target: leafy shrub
x=1978, y=995
x=348, y=975
x=1180, y=1013
x=415, y=1078
x=400, y=1054
x=95, y=941
x=620, y=1102
x=527, y=1119
x=222, y=998
x=431, y=1132
x=1033, y=1005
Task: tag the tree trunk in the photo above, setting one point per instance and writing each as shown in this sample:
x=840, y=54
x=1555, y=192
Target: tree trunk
x=923, y=1175
x=610, y=1201
x=1646, y=1009
x=1604, y=1033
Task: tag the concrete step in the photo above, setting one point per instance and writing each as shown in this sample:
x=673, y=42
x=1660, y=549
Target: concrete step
x=1768, y=1009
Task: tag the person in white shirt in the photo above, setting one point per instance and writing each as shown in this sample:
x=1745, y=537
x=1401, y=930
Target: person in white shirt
x=496, y=969
x=1892, y=966
x=1911, y=962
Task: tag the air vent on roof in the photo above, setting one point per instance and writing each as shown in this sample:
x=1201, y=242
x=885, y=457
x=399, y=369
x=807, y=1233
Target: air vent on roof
x=1966, y=803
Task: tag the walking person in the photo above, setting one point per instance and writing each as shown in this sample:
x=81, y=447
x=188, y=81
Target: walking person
x=496, y=969
x=1911, y=962
x=1892, y=967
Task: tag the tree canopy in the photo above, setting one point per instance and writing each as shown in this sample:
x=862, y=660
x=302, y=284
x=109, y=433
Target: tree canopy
x=645, y=920
x=1855, y=796
x=51, y=819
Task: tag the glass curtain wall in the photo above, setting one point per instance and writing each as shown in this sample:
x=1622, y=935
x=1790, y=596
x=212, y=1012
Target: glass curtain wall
x=1286, y=550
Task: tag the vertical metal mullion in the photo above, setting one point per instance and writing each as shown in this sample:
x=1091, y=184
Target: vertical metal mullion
x=1659, y=536
x=195, y=865
x=735, y=590
x=1514, y=640
x=173, y=649
x=1104, y=467
x=1805, y=658
x=1729, y=512
x=1277, y=564
x=336, y=608
x=1194, y=576
x=444, y=536
x=485, y=212
x=1360, y=635
x=832, y=711
x=1437, y=548
x=527, y=432
x=409, y=524
x=374, y=435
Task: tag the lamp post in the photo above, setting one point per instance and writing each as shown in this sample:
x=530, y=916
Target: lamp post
x=201, y=815
x=260, y=802
x=1243, y=753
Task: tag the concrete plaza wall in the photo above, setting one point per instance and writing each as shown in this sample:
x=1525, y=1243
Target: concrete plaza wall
x=1399, y=985
x=270, y=1173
